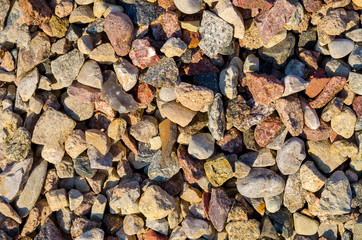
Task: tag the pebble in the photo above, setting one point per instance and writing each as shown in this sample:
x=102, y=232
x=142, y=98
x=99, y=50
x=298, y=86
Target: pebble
x=218, y=170
x=194, y=97
x=95, y=233
x=57, y=199
x=355, y=59
x=98, y=139
x=189, y=6
x=293, y=198
x=194, y=228
x=167, y=94
x=174, y=47
x=75, y=199
x=103, y=54
x=201, y=145
x=290, y=157
x=273, y=204
x=336, y=196
x=296, y=68
x=355, y=35
x=81, y=15
x=82, y=166
x=291, y=114
x=98, y=160
x=216, y=34
x=190, y=194
x=261, y=158
x=251, y=64
x=144, y=130
x=132, y=224
x=340, y=48
x=85, y=44
x=177, y=113
x=260, y=183
x=283, y=222
x=90, y=74
x=311, y=178
x=344, y=123
x=5, y=6
x=164, y=74
x=305, y=225
x=155, y=203
x=311, y=118
x=216, y=118
x=219, y=207
x=119, y=29
x=228, y=81
x=158, y=226
x=355, y=82
x=293, y=84
x=76, y=109
x=117, y=129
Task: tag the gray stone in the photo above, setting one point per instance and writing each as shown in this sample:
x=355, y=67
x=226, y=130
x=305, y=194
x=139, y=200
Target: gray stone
x=85, y=44
x=251, y=63
x=293, y=193
x=280, y=52
x=337, y=195
x=260, y=183
x=163, y=168
x=98, y=160
x=160, y=225
x=273, y=204
x=355, y=58
x=228, y=81
x=32, y=189
x=145, y=129
x=216, y=118
x=337, y=67
x=82, y=166
x=93, y=234
x=66, y=67
x=296, y=68
x=305, y=225
x=167, y=94
x=75, y=199
x=65, y=218
x=293, y=84
x=201, y=145
x=278, y=142
x=90, y=74
x=283, y=222
x=194, y=228
x=216, y=34
x=290, y=157
x=127, y=74
x=310, y=177
x=262, y=158
x=355, y=82
x=340, y=48
x=27, y=84
x=76, y=109
x=188, y=6
x=355, y=35
x=174, y=47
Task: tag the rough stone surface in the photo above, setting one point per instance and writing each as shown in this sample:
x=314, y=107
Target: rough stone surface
x=194, y=97
x=219, y=207
x=310, y=177
x=218, y=170
x=291, y=114
x=164, y=74
x=293, y=198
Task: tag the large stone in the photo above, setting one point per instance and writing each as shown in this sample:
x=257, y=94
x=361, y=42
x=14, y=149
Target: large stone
x=290, y=157
x=35, y=12
x=311, y=178
x=219, y=207
x=260, y=183
x=337, y=195
x=293, y=198
x=216, y=34
x=177, y=113
x=119, y=29
x=66, y=67
x=343, y=123
x=291, y=114
x=218, y=170
x=279, y=53
x=194, y=97
x=164, y=74
x=155, y=203
x=90, y=74
x=19, y=146
x=52, y=127
x=305, y=225
x=127, y=74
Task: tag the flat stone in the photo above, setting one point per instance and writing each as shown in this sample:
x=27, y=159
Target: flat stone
x=291, y=114
x=90, y=74
x=305, y=225
x=260, y=183
x=344, y=123
x=340, y=48
x=155, y=203
x=336, y=196
x=127, y=74
x=243, y=230
x=311, y=178
x=66, y=67
x=104, y=53
x=290, y=157
x=144, y=130
x=188, y=7
x=77, y=109
x=218, y=170
x=164, y=74
x=293, y=198
x=45, y=131
x=201, y=145
x=177, y=113
x=57, y=199
x=119, y=29
x=98, y=160
x=216, y=34
x=219, y=207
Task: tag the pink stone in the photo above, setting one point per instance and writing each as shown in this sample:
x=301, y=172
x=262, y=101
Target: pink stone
x=166, y=26
x=119, y=29
x=35, y=12
x=252, y=4
x=143, y=54
x=84, y=93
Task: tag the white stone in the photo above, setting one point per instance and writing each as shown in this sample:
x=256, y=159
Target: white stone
x=127, y=74
x=293, y=84
x=228, y=82
x=340, y=48
x=201, y=145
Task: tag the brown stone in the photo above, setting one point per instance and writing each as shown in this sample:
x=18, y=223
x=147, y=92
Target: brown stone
x=315, y=86
x=152, y=235
x=166, y=26
x=144, y=94
x=193, y=97
x=232, y=141
x=168, y=134
x=357, y=106
x=312, y=5
x=193, y=168
x=84, y=93
x=291, y=114
x=35, y=12
x=258, y=4
x=321, y=133
x=267, y=130
x=177, y=113
x=49, y=231
x=219, y=207
x=119, y=29
x=81, y=225
x=129, y=142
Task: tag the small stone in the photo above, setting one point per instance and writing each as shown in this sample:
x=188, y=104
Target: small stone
x=82, y=166
x=291, y=114
x=75, y=143
x=190, y=194
x=232, y=141
x=293, y=198
x=49, y=231
x=177, y=113
x=143, y=12
x=345, y=148
x=117, y=129
x=296, y=68
x=273, y=204
x=159, y=226
x=258, y=4
x=293, y=84
x=189, y=6
x=119, y=29
x=216, y=118
x=323, y=157
x=75, y=199
x=311, y=118
x=164, y=74
x=336, y=196
x=83, y=93
x=95, y=233
x=260, y=183
x=19, y=146
x=194, y=97
x=90, y=74
x=355, y=35
x=228, y=81
x=290, y=157
x=340, y=48
x=77, y=109
x=310, y=177
x=243, y=230
x=98, y=139
x=53, y=153
x=262, y=158
x=218, y=170
x=57, y=199
x=81, y=15
x=132, y=224
x=267, y=130
x=194, y=228
x=193, y=168
x=219, y=207
x=104, y=53
x=35, y=12
x=98, y=208
x=5, y=6
x=98, y=160
x=355, y=82
x=216, y=34
x=305, y=225
x=264, y=88
x=251, y=64
x=155, y=203
x=62, y=46
x=143, y=54
x=337, y=67
x=355, y=59
x=82, y=225
x=144, y=130
x=201, y=145
x=344, y=123
x=174, y=47
x=127, y=74
x=85, y=44
x=114, y=95
x=65, y=168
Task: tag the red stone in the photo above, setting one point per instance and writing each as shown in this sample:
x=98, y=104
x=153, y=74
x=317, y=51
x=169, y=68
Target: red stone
x=267, y=130
x=152, y=235
x=102, y=106
x=196, y=55
x=219, y=207
x=333, y=137
x=232, y=141
x=357, y=106
x=309, y=57
x=312, y=5
x=264, y=88
x=119, y=29
x=192, y=39
x=250, y=4
x=130, y=142
x=203, y=66
x=143, y=54
x=167, y=4
x=315, y=86
x=334, y=86
x=272, y=21
x=205, y=203
x=143, y=93
x=35, y=12
x=166, y=26
x=84, y=93
x=193, y=168
x=319, y=134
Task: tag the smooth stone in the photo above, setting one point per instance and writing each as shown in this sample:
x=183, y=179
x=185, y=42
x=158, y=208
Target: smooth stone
x=188, y=6
x=90, y=74
x=344, y=123
x=201, y=145
x=311, y=118
x=293, y=84
x=194, y=228
x=76, y=109
x=273, y=204
x=340, y=48
x=355, y=82
x=177, y=113
x=290, y=157
x=81, y=15
x=260, y=183
x=355, y=35
x=355, y=58
x=305, y=225
x=167, y=94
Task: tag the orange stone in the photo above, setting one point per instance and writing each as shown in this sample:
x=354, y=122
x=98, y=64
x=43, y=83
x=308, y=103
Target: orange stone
x=168, y=134
x=315, y=86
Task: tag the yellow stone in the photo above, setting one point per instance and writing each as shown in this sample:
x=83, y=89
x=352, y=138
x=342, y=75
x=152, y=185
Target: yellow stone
x=192, y=26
